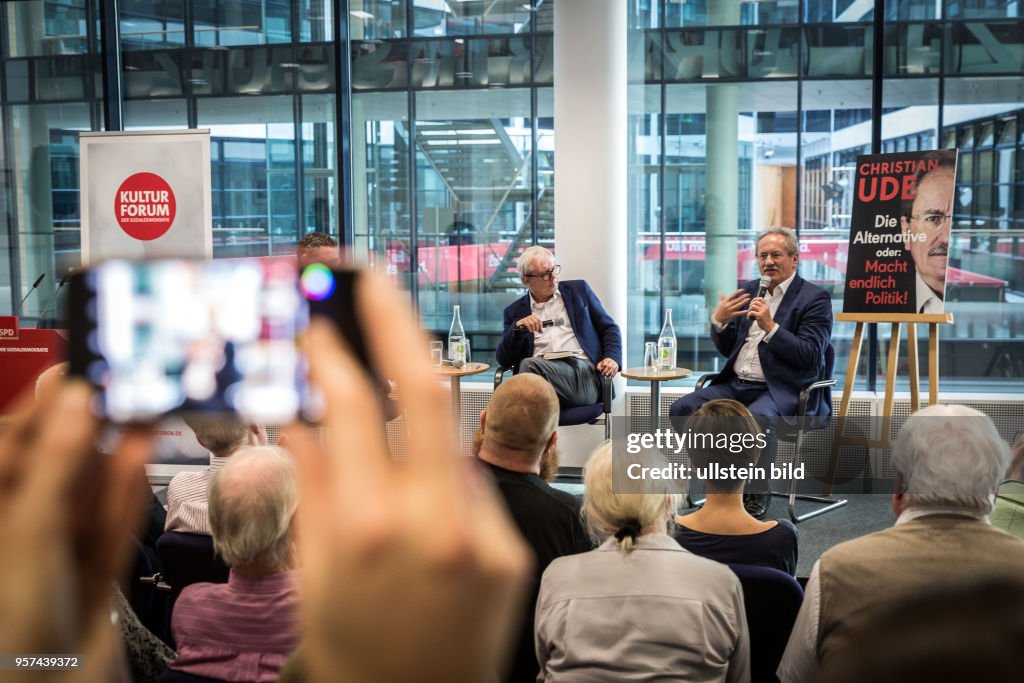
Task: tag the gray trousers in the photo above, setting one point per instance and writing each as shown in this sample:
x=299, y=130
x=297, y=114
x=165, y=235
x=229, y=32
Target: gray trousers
x=575, y=380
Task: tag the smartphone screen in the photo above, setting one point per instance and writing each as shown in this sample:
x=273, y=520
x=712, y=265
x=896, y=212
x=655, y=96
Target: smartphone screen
x=331, y=294
x=190, y=336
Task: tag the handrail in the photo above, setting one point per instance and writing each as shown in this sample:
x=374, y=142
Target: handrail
x=400, y=129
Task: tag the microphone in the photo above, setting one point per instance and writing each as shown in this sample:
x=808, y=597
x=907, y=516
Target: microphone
x=30, y=290
x=556, y=322
x=53, y=297
x=762, y=289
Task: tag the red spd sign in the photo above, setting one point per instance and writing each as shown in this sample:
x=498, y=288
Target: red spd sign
x=144, y=206
x=8, y=327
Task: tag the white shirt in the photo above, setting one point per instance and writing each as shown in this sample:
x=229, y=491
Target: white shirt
x=187, y=500
x=927, y=301
x=800, y=661
x=748, y=363
x=557, y=337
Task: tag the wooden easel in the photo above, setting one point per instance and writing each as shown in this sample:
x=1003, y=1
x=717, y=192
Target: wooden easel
x=896, y=320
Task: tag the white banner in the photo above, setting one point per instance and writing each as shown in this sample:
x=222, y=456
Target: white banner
x=145, y=194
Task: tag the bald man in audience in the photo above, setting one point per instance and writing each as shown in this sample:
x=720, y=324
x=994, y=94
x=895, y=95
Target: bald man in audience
x=245, y=629
x=948, y=460
x=187, y=492
x=515, y=442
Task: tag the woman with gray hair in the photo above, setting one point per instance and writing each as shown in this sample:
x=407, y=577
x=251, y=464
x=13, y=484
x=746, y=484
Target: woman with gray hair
x=948, y=457
x=621, y=612
x=245, y=629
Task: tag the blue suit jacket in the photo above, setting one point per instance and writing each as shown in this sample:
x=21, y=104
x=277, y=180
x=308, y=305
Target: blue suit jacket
x=595, y=330
x=795, y=356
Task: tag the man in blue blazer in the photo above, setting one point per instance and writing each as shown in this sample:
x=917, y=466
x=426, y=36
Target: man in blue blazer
x=774, y=346
x=560, y=319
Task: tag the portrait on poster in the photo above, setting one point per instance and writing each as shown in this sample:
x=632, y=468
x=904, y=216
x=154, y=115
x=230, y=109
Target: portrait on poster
x=900, y=232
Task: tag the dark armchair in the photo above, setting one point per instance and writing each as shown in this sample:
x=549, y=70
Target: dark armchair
x=771, y=600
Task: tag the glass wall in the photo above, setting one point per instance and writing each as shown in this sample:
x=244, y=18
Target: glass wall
x=259, y=75
x=750, y=115
x=50, y=87
x=453, y=151
x=742, y=115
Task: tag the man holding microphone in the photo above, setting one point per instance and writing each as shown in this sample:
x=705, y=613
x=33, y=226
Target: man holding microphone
x=773, y=332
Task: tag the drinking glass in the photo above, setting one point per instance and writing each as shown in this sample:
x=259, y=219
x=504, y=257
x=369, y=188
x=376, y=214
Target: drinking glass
x=651, y=358
x=436, y=352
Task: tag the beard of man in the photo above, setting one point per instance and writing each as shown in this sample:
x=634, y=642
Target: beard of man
x=478, y=441
x=549, y=464
x=549, y=459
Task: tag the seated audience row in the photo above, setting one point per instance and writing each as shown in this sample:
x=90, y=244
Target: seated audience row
x=414, y=571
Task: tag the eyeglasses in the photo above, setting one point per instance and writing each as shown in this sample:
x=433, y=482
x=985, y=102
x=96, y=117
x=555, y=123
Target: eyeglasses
x=931, y=221
x=547, y=274
x=776, y=256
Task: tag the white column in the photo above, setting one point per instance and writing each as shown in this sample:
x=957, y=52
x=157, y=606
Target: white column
x=590, y=147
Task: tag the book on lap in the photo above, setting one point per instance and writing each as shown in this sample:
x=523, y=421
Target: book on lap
x=558, y=355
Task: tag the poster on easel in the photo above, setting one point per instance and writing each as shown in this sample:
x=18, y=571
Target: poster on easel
x=145, y=194
x=899, y=232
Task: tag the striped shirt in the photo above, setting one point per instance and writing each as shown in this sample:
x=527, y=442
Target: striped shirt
x=242, y=630
x=187, y=507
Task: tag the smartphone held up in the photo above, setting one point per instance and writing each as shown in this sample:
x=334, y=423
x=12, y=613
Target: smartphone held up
x=165, y=336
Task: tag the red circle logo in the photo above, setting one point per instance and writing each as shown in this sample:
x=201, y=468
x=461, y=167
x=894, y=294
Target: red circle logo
x=144, y=206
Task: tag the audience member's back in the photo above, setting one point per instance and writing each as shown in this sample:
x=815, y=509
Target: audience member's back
x=639, y=607
x=245, y=629
x=515, y=441
x=968, y=633
x=948, y=461
x=722, y=530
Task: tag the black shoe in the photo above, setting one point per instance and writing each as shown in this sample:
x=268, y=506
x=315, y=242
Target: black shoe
x=757, y=504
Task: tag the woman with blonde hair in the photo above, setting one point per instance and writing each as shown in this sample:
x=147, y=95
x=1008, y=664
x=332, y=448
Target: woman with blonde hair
x=621, y=612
